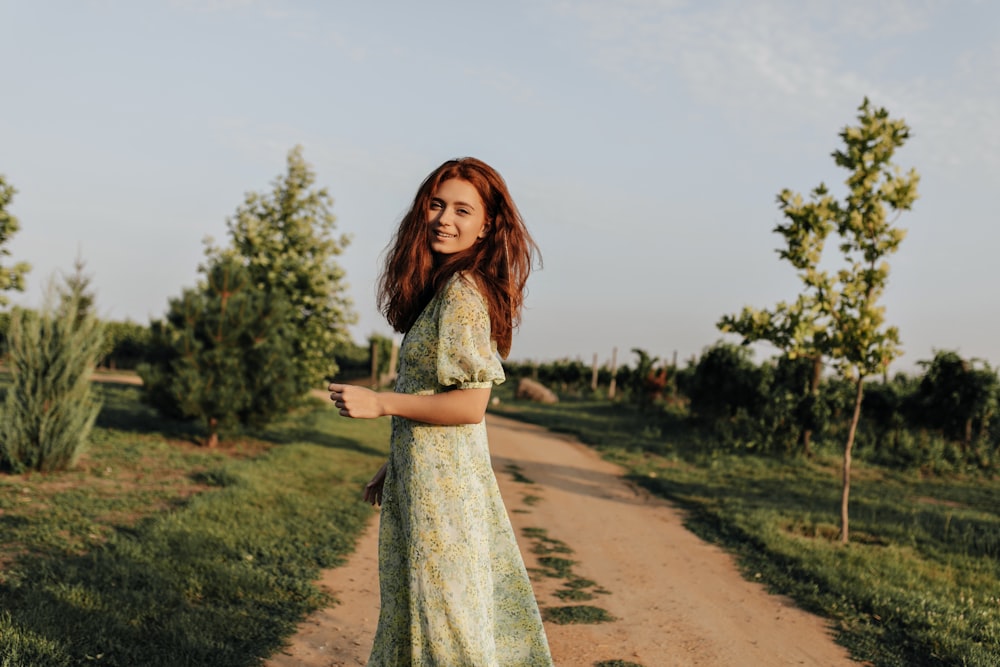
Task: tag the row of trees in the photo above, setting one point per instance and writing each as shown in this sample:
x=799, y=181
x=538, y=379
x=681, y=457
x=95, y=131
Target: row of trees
x=836, y=319
x=263, y=325
x=767, y=407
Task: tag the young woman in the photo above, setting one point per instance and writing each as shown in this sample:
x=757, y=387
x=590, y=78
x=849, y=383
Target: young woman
x=454, y=590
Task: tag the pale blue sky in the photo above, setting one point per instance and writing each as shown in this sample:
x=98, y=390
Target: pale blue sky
x=644, y=141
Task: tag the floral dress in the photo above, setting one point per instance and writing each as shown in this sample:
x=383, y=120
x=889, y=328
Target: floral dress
x=454, y=590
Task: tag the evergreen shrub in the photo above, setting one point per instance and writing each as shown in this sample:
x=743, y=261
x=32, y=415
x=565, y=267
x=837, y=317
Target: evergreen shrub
x=50, y=406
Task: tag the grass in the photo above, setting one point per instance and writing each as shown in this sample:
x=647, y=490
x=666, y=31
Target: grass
x=157, y=552
x=580, y=613
x=574, y=587
x=919, y=584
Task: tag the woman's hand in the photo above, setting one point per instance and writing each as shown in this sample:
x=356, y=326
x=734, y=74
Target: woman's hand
x=357, y=402
x=373, y=489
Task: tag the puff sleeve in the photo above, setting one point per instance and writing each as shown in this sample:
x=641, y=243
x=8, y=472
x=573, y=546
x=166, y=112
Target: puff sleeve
x=467, y=355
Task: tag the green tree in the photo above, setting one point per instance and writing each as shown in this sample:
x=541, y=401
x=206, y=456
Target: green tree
x=75, y=288
x=725, y=382
x=126, y=345
x=285, y=239
x=11, y=278
x=837, y=315
x=222, y=355
x=50, y=407
x=955, y=394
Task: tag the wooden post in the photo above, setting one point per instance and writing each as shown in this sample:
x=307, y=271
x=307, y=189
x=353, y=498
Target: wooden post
x=614, y=370
x=374, y=355
x=673, y=376
x=390, y=372
x=593, y=374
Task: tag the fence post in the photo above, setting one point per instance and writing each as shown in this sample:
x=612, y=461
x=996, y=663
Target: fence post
x=614, y=371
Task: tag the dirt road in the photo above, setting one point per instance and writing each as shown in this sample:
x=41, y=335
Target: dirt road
x=678, y=601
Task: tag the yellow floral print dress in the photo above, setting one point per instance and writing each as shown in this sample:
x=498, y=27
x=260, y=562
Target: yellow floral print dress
x=454, y=589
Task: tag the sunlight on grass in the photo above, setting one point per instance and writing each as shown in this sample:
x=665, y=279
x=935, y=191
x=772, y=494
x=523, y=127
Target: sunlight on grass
x=157, y=552
x=918, y=585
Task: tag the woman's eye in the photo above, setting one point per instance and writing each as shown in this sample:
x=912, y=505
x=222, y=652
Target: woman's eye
x=463, y=211
x=435, y=205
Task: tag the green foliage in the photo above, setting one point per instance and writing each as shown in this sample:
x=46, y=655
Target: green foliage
x=837, y=315
x=223, y=355
x=647, y=382
x=75, y=288
x=126, y=345
x=957, y=396
x=285, y=239
x=12, y=277
x=50, y=409
x=159, y=555
x=725, y=382
x=917, y=587
x=581, y=613
x=4, y=328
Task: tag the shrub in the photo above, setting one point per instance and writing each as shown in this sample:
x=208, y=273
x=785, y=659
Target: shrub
x=222, y=355
x=50, y=408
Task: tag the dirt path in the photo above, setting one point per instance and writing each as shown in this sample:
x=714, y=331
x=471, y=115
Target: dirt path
x=678, y=601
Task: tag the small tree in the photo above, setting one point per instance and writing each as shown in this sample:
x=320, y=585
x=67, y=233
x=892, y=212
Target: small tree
x=838, y=315
x=222, y=355
x=11, y=278
x=50, y=408
x=285, y=239
x=955, y=394
x=76, y=288
x=725, y=381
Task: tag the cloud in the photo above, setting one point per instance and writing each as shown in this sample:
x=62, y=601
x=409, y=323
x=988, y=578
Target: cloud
x=778, y=62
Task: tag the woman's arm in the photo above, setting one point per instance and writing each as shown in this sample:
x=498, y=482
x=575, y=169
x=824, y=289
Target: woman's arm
x=449, y=408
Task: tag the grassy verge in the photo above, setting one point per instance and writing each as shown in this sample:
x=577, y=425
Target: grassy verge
x=920, y=582
x=157, y=552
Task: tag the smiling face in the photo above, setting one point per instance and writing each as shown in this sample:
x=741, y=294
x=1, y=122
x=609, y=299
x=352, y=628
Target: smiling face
x=457, y=217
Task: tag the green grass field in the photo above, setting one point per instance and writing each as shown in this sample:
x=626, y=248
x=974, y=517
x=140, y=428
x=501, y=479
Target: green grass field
x=155, y=551
x=918, y=585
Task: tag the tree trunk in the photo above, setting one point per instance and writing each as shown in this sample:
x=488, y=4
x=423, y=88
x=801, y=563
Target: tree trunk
x=614, y=370
x=213, y=433
x=844, y=534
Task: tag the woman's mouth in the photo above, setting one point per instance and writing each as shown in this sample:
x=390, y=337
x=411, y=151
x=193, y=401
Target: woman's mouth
x=445, y=235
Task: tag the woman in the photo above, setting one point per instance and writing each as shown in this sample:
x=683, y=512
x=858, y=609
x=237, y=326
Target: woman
x=454, y=590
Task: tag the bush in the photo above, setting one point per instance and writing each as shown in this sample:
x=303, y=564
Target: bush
x=126, y=345
x=223, y=355
x=49, y=409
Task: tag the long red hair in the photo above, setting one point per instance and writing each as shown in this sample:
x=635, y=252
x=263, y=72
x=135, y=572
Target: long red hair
x=500, y=262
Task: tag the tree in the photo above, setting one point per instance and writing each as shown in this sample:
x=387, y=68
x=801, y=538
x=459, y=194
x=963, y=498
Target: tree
x=725, y=381
x=222, y=355
x=285, y=240
x=75, y=289
x=837, y=315
x=50, y=407
x=954, y=394
x=11, y=278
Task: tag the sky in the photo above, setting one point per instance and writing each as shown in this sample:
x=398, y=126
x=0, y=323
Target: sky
x=644, y=141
